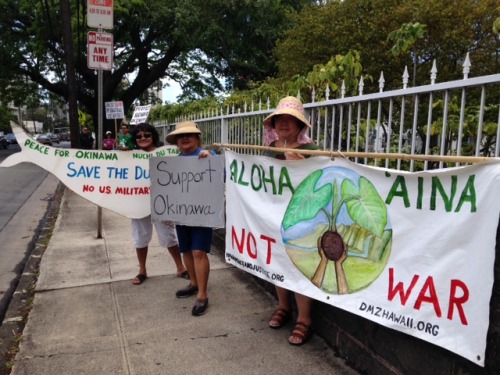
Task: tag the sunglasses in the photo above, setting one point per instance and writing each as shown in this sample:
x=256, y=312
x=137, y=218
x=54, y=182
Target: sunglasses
x=188, y=135
x=144, y=135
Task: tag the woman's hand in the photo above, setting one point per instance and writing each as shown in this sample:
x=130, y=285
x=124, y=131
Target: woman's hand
x=293, y=156
x=204, y=154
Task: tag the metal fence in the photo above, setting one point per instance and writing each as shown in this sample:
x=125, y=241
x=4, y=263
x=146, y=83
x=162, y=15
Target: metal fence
x=433, y=126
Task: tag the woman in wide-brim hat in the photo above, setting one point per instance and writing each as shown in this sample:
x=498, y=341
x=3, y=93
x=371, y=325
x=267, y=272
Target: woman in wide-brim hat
x=287, y=127
x=185, y=127
x=194, y=242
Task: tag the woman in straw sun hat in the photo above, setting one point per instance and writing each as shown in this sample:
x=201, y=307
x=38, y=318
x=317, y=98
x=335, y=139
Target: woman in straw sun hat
x=287, y=127
x=194, y=242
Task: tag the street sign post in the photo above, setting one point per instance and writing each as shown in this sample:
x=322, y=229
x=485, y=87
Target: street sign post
x=100, y=14
x=100, y=57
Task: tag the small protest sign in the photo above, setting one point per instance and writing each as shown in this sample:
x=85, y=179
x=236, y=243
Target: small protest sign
x=114, y=110
x=188, y=190
x=141, y=114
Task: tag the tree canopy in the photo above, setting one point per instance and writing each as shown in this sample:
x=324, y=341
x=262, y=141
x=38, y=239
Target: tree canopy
x=453, y=28
x=194, y=42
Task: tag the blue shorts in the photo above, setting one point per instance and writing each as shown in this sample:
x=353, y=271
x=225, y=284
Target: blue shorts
x=194, y=238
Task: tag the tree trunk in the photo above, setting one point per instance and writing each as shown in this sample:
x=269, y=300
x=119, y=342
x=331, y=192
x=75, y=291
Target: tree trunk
x=70, y=74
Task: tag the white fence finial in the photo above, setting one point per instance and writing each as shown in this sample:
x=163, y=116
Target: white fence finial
x=467, y=66
x=381, y=82
x=361, y=85
x=327, y=92
x=406, y=77
x=433, y=72
x=342, y=89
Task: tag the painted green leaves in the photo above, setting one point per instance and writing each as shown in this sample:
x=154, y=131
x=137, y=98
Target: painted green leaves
x=307, y=201
x=368, y=209
x=364, y=205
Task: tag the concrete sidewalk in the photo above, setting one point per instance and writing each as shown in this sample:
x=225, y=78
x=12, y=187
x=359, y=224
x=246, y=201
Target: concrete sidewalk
x=88, y=318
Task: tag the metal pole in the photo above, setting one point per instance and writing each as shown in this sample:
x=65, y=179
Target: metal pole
x=99, y=139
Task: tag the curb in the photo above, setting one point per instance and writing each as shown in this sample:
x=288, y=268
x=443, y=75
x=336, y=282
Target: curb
x=20, y=305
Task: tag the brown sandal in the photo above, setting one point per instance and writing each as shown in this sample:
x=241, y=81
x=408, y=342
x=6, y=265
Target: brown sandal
x=279, y=318
x=301, y=334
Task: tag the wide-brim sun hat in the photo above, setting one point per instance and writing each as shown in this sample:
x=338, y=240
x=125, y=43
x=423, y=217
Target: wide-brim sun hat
x=289, y=105
x=184, y=127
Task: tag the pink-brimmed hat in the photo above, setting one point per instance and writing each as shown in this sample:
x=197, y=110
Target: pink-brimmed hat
x=292, y=106
x=289, y=105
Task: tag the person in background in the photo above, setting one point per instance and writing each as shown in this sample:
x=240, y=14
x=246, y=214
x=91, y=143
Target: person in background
x=194, y=242
x=287, y=127
x=86, y=139
x=108, y=143
x=146, y=137
x=124, y=140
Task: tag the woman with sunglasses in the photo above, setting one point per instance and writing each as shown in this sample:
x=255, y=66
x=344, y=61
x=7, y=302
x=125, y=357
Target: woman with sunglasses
x=194, y=242
x=146, y=138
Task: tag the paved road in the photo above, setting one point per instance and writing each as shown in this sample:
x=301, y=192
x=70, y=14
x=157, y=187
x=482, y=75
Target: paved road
x=25, y=193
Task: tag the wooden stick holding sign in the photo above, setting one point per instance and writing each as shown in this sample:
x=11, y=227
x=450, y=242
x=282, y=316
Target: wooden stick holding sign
x=370, y=155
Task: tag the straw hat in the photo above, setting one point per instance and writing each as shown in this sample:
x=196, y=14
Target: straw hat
x=185, y=127
x=289, y=105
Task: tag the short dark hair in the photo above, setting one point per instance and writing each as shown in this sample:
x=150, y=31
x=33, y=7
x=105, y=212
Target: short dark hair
x=145, y=127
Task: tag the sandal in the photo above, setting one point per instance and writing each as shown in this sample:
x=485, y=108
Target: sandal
x=301, y=334
x=183, y=275
x=139, y=279
x=279, y=318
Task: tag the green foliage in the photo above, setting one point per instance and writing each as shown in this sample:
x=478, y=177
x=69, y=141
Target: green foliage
x=406, y=37
x=340, y=69
x=325, y=30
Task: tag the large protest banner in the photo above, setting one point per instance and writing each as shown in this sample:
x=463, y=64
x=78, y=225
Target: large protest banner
x=115, y=180
x=188, y=190
x=411, y=251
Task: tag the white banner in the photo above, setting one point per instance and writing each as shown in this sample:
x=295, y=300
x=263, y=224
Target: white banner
x=411, y=251
x=115, y=180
